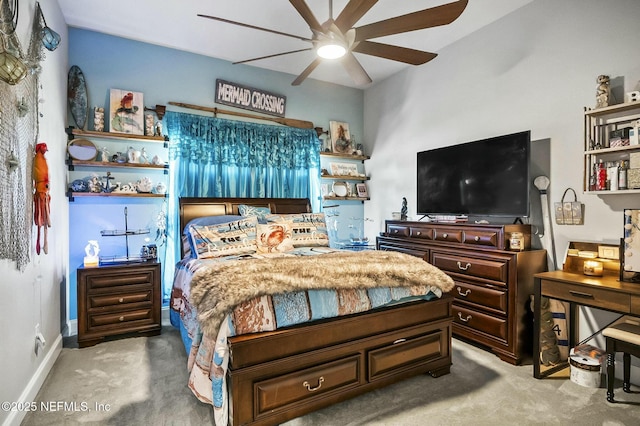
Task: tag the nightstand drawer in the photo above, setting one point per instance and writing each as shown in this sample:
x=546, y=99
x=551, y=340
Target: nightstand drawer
x=600, y=298
x=120, y=299
x=122, y=317
x=113, y=281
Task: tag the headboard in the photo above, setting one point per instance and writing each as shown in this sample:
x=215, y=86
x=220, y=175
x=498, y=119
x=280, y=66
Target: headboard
x=191, y=208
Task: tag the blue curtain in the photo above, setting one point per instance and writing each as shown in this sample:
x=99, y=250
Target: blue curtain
x=214, y=157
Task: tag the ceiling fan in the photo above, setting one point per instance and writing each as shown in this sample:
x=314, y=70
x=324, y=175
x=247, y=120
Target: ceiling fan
x=338, y=38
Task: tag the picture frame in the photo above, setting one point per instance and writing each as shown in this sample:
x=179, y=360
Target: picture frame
x=361, y=190
x=340, y=137
x=126, y=112
x=344, y=169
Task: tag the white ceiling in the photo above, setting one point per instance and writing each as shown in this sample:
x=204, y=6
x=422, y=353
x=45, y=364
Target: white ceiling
x=175, y=24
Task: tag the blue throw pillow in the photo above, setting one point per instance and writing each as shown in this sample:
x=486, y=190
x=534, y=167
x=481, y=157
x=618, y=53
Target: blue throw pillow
x=210, y=220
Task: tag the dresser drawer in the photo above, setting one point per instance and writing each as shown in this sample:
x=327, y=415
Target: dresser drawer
x=406, y=352
x=451, y=235
x=489, y=297
x=600, y=298
x=423, y=254
x=482, y=238
x=495, y=270
x=100, y=301
x=398, y=230
x=306, y=384
x=420, y=232
x=494, y=326
x=122, y=317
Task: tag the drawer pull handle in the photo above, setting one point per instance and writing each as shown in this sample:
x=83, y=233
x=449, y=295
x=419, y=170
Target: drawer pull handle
x=399, y=341
x=445, y=235
x=121, y=300
x=121, y=319
x=465, y=294
x=465, y=267
x=464, y=319
x=580, y=294
x=476, y=238
x=309, y=388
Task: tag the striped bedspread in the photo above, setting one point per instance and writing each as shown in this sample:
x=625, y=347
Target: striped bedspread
x=208, y=355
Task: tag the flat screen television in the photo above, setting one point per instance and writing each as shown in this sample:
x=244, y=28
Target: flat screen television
x=485, y=178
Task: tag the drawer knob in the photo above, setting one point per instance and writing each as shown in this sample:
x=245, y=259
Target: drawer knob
x=466, y=319
x=445, y=235
x=418, y=233
x=465, y=294
x=121, y=300
x=121, y=319
x=465, y=267
x=395, y=231
x=309, y=388
x=476, y=238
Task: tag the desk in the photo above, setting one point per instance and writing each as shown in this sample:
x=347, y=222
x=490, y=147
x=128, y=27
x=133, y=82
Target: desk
x=606, y=293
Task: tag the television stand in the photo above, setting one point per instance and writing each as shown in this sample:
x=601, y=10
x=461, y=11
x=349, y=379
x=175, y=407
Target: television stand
x=493, y=283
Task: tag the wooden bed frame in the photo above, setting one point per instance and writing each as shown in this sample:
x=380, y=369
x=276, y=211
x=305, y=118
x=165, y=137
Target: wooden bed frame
x=279, y=375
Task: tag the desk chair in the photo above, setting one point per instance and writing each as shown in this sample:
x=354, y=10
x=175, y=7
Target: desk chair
x=622, y=336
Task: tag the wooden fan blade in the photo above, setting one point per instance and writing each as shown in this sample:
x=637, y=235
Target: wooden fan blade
x=312, y=66
x=355, y=70
x=306, y=13
x=228, y=21
x=395, y=53
x=352, y=13
x=428, y=18
x=272, y=56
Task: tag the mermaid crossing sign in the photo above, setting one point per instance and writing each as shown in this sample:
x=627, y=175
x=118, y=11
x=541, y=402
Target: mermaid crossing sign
x=244, y=97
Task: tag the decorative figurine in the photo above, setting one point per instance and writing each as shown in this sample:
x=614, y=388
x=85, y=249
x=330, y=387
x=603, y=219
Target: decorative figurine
x=98, y=119
x=149, y=125
x=91, y=251
x=144, y=185
x=403, y=210
x=144, y=157
x=603, y=91
x=133, y=155
x=104, y=155
x=159, y=128
x=41, y=196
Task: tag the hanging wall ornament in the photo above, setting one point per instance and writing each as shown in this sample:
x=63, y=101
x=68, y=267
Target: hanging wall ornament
x=12, y=65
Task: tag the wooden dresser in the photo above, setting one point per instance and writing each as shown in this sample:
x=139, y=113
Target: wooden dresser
x=117, y=300
x=493, y=284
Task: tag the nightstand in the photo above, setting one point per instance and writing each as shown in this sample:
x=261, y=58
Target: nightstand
x=118, y=299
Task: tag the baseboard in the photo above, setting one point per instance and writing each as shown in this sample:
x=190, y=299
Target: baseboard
x=33, y=387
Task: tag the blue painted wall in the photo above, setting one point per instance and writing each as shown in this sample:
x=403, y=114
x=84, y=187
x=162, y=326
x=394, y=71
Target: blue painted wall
x=165, y=75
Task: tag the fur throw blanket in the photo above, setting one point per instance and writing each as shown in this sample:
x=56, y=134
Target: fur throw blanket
x=217, y=288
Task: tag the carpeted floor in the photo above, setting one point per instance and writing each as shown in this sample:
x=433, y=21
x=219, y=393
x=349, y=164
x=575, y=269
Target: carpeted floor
x=142, y=381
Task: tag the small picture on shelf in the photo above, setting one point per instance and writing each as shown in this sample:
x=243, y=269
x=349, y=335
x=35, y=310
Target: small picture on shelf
x=361, y=190
x=340, y=137
x=344, y=169
x=127, y=112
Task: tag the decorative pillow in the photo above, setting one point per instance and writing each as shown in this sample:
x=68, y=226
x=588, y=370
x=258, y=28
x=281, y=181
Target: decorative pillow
x=274, y=237
x=307, y=229
x=211, y=220
x=259, y=212
x=238, y=237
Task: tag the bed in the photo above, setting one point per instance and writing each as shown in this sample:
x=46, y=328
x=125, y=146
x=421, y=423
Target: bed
x=288, y=369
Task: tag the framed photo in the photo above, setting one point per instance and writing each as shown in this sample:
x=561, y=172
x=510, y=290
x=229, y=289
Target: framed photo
x=126, y=112
x=361, y=190
x=344, y=169
x=340, y=137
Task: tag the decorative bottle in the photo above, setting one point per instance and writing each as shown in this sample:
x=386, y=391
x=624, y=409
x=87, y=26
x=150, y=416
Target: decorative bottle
x=622, y=175
x=601, y=183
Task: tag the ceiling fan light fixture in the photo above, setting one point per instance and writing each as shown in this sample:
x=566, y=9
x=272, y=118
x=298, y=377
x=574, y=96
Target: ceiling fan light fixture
x=331, y=49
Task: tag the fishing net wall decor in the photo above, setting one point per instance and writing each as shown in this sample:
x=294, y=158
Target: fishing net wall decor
x=19, y=117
